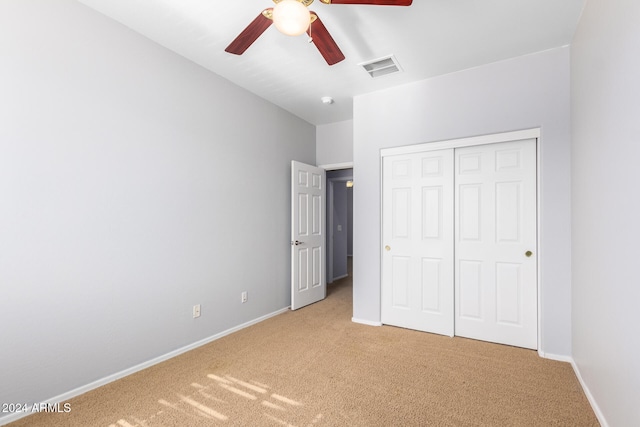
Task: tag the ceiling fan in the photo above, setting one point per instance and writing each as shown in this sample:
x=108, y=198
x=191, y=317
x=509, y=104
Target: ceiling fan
x=292, y=17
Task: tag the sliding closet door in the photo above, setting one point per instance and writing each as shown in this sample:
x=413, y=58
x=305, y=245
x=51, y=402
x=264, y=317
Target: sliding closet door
x=417, y=258
x=495, y=227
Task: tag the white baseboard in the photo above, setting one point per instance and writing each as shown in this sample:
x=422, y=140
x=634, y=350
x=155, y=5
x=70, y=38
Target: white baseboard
x=118, y=375
x=594, y=405
x=558, y=357
x=366, y=322
x=587, y=392
x=339, y=277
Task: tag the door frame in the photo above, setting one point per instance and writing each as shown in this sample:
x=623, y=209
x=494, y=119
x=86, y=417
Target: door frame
x=329, y=222
x=533, y=133
x=331, y=182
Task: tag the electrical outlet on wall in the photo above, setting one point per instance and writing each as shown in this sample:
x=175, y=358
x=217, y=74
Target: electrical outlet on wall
x=244, y=297
x=196, y=311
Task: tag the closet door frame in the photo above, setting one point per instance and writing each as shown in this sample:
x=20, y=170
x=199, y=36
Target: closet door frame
x=469, y=142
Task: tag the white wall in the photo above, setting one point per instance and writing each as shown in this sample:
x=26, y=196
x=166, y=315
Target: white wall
x=521, y=93
x=133, y=185
x=334, y=143
x=606, y=206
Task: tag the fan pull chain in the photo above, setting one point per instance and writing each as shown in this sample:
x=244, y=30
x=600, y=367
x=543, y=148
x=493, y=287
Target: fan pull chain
x=310, y=37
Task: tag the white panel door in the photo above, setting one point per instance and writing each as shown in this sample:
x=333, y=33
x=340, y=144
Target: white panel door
x=417, y=257
x=496, y=260
x=308, y=281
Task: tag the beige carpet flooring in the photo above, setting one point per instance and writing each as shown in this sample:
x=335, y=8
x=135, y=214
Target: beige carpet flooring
x=314, y=367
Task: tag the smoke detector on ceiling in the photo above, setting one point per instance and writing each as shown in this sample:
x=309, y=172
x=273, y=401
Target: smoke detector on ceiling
x=381, y=66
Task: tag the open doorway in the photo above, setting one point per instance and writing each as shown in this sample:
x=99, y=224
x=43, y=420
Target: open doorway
x=339, y=223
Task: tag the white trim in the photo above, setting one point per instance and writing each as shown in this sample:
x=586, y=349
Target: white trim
x=594, y=405
x=585, y=389
x=330, y=220
x=339, y=277
x=539, y=241
x=366, y=322
x=381, y=233
x=118, y=375
x=556, y=357
x=463, y=142
x=329, y=231
x=337, y=166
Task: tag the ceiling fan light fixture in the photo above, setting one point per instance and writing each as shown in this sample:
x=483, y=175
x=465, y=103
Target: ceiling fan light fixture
x=291, y=17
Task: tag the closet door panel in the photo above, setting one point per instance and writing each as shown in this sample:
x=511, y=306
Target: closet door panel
x=417, y=253
x=495, y=249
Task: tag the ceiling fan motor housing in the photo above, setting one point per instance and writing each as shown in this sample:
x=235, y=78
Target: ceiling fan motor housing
x=291, y=17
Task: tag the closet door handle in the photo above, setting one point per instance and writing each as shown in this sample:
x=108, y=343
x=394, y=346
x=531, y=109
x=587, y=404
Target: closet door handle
x=387, y=248
x=528, y=254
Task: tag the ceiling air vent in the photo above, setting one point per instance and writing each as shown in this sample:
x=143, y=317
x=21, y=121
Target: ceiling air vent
x=381, y=66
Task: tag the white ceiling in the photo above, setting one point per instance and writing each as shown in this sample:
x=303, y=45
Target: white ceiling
x=429, y=38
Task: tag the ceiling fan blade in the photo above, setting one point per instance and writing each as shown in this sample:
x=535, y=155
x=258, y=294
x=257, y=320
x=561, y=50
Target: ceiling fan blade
x=324, y=42
x=251, y=33
x=371, y=2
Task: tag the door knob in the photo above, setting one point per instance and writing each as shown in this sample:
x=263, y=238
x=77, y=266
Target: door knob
x=297, y=243
x=528, y=253
x=387, y=248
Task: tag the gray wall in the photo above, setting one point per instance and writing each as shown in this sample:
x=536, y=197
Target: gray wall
x=334, y=143
x=606, y=206
x=133, y=185
x=521, y=93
